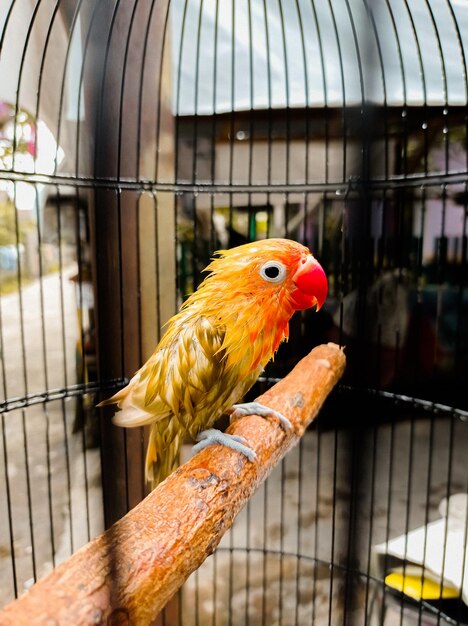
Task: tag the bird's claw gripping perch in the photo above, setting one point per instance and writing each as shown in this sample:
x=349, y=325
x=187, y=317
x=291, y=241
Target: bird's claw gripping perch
x=255, y=408
x=208, y=437
x=235, y=442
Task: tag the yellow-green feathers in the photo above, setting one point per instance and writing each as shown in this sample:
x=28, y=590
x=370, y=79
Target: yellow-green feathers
x=212, y=351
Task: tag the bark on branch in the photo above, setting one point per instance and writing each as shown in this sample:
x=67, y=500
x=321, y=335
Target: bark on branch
x=128, y=574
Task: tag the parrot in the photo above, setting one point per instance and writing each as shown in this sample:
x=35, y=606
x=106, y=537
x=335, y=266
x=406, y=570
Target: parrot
x=216, y=346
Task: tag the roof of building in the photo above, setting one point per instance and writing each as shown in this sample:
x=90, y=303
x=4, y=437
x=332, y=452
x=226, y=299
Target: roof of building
x=259, y=54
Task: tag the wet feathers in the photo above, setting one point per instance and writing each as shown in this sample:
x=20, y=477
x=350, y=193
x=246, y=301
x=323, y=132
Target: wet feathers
x=215, y=347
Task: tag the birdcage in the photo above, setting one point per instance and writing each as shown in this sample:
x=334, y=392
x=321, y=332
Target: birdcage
x=136, y=138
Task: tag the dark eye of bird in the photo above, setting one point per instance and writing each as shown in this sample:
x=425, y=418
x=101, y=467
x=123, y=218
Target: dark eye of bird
x=272, y=271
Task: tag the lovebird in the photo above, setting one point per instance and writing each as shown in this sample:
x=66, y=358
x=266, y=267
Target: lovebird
x=216, y=346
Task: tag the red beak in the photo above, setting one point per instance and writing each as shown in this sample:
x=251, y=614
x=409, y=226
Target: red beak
x=311, y=284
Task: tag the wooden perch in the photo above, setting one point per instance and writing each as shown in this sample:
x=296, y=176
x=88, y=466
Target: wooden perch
x=128, y=574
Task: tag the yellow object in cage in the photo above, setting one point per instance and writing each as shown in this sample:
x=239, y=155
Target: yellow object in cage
x=415, y=583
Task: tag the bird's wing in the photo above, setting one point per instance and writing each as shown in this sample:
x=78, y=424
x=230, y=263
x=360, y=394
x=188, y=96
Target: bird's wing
x=133, y=413
x=189, y=375
x=179, y=379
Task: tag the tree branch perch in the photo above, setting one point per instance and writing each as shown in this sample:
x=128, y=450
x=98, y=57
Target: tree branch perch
x=127, y=574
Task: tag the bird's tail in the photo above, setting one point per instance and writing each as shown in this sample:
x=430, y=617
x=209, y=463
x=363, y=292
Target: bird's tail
x=162, y=453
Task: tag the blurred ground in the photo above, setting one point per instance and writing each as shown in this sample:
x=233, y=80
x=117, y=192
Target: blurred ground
x=273, y=568
x=50, y=491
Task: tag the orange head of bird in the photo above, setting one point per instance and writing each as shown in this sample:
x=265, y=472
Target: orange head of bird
x=275, y=272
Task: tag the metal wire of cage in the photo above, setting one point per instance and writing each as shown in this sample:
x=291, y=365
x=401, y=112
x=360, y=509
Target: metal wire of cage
x=138, y=137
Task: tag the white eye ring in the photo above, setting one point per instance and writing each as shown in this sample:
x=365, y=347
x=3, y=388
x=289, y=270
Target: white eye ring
x=273, y=272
